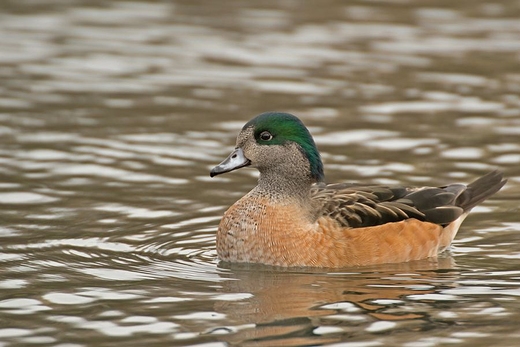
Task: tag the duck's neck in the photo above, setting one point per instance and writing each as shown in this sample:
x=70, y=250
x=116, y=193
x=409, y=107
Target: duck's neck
x=284, y=188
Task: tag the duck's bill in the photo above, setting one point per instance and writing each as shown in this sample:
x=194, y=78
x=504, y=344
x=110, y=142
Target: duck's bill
x=234, y=161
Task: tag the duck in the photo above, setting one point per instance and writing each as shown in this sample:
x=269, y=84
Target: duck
x=292, y=218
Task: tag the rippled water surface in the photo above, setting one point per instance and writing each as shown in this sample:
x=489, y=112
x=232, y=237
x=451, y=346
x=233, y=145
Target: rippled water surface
x=113, y=112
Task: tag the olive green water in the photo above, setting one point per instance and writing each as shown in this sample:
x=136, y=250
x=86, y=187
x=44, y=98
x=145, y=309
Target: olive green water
x=113, y=112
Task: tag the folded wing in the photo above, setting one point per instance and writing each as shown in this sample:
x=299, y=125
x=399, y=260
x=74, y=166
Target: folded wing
x=355, y=206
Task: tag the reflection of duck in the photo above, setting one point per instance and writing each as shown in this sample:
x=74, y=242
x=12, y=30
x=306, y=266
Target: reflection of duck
x=287, y=221
x=286, y=303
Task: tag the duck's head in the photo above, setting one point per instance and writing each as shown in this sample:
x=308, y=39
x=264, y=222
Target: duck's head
x=276, y=144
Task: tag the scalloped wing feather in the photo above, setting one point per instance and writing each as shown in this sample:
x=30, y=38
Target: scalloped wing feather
x=355, y=206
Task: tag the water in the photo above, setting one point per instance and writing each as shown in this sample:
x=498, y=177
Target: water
x=112, y=114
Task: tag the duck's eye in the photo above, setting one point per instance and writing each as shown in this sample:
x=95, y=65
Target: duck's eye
x=266, y=136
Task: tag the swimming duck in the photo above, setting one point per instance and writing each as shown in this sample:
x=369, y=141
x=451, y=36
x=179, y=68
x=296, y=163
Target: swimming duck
x=292, y=218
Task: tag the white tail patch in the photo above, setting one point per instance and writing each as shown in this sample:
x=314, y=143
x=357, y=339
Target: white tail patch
x=450, y=231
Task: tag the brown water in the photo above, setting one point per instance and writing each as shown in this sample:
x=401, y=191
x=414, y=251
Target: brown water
x=113, y=112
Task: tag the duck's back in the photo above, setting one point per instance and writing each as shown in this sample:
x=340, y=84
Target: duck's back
x=356, y=205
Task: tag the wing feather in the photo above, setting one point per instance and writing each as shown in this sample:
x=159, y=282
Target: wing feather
x=357, y=206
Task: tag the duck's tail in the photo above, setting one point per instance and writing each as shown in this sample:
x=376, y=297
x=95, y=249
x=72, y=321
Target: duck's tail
x=480, y=190
x=473, y=194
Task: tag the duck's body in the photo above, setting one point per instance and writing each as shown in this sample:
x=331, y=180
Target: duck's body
x=277, y=234
x=291, y=218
